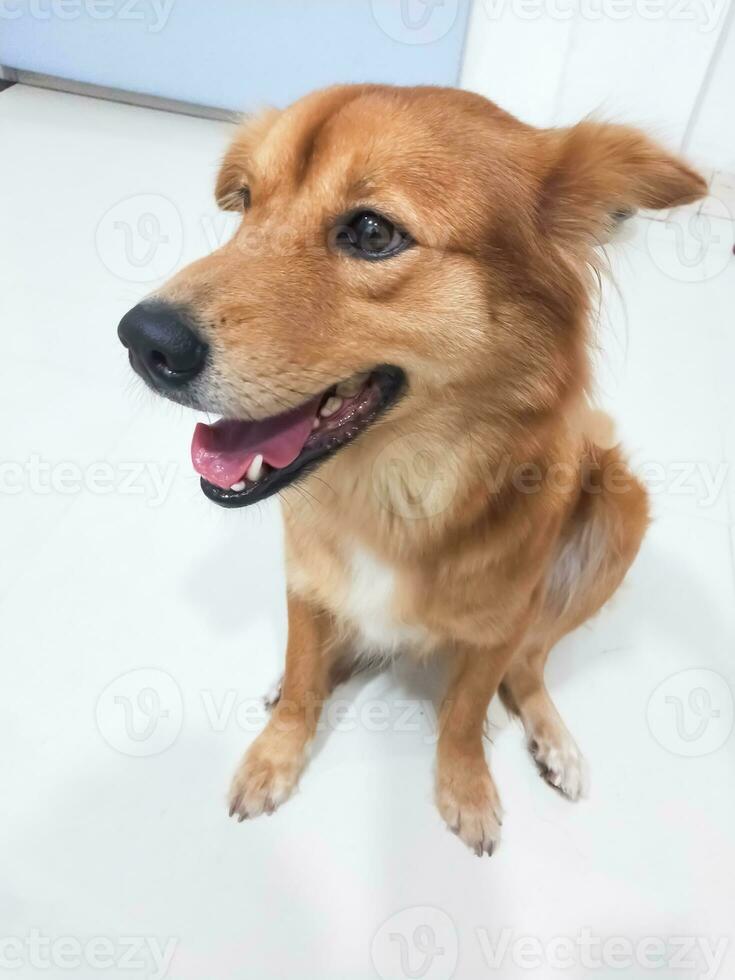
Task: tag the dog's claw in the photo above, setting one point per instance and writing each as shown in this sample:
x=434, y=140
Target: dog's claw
x=264, y=781
x=486, y=847
x=472, y=816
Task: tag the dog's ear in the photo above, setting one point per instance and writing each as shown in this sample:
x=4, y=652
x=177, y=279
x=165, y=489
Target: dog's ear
x=599, y=171
x=232, y=191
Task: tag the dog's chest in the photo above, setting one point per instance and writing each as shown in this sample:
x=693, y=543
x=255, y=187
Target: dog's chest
x=371, y=606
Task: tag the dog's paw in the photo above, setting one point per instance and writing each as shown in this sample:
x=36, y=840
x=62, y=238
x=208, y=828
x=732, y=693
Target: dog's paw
x=470, y=807
x=265, y=779
x=561, y=763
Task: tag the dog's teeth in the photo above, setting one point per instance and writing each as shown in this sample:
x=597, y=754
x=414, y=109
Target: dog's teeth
x=316, y=423
x=237, y=487
x=330, y=406
x=255, y=469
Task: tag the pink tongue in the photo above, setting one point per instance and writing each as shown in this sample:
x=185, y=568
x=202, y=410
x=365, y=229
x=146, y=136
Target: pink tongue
x=222, y=452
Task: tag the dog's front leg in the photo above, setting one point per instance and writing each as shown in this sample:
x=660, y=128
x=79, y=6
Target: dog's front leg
x=465, y=791
x=271, y=767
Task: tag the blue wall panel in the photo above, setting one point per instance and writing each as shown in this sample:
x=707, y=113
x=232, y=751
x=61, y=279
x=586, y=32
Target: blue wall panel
x=236, y=54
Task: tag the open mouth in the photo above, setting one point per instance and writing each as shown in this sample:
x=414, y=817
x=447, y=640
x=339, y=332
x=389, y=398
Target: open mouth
x=241, y=463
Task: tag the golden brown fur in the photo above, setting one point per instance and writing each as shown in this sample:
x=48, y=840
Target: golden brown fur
x=484, y=495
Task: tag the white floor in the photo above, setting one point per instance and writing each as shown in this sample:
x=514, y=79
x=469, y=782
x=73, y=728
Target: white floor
x=140, y=626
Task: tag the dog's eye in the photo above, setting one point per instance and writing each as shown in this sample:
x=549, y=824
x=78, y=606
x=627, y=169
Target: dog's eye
x=368, y=235
x=245, y=198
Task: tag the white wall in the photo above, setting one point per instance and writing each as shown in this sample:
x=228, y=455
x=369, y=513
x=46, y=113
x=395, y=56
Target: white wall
x=712, y=134
x=667, y=65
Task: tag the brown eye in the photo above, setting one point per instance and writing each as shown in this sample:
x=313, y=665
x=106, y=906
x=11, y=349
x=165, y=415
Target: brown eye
x=369, y=235
x=245, y=197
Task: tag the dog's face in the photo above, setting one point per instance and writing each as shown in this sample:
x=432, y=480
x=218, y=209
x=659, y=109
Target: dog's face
x=397, y=247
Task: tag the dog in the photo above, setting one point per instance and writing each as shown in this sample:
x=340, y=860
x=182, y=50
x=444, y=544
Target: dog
x=397, y=341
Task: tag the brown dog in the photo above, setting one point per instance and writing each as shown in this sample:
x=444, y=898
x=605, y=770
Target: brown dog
x=397, y=336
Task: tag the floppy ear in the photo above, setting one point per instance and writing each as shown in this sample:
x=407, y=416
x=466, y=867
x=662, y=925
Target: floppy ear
x=600, y=170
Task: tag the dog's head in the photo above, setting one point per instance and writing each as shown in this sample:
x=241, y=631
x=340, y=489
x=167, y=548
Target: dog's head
x=400, y=251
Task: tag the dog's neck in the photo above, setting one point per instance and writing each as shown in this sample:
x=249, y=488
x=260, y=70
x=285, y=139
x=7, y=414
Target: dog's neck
x=412, y=486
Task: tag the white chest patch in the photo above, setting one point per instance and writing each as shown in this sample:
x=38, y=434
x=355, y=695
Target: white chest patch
x=370, y=607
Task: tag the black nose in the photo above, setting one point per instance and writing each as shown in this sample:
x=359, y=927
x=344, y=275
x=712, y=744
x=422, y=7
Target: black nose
x=164, y=349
